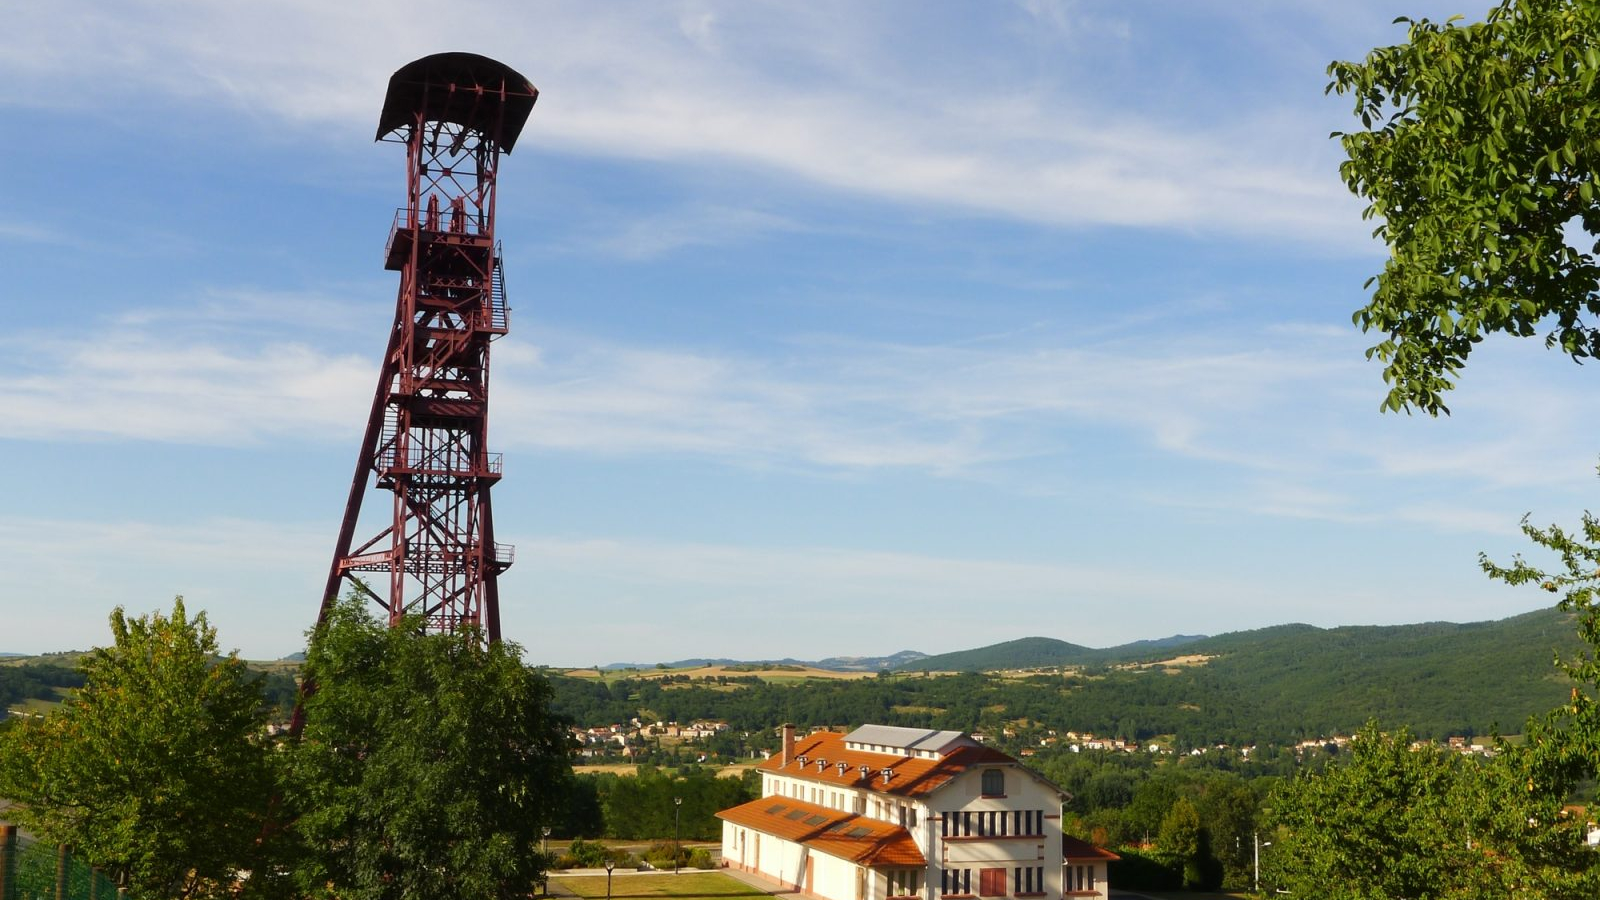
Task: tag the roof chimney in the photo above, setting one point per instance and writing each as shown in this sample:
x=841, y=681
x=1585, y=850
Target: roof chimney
x=788, y=742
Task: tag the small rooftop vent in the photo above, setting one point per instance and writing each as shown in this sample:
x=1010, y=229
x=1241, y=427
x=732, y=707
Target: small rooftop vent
x=887, y=774
x=842, y=767
x=801, y=759
x=866, y=772
x=822, y=764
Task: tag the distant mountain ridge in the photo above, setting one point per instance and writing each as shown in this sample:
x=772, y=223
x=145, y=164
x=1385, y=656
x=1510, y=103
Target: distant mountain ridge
x=1534, y=633
x=1043, y=652
x=832, y=663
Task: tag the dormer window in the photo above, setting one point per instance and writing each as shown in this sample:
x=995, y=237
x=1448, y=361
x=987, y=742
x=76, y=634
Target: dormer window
x=994, y=783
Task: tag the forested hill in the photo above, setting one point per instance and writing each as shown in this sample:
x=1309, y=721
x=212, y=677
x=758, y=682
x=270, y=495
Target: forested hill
x=1519, y=640
x=1043, y=652
x=1274, y=685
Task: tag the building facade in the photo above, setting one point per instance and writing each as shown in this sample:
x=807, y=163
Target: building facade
x=888, y=813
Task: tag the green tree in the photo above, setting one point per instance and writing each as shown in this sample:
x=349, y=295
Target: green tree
x=1151, y=802
x=1228, y=807
x=1179, y=838
x=1562, y=748
x=1392, y=820
x=157, y=769
x=1479, y=158
x=641, y=807
x=427, y=767
x=1381, y=823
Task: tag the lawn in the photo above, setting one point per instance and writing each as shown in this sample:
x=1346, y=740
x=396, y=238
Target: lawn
x=688, y=886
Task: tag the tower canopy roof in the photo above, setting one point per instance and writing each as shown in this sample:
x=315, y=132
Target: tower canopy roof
x=461, y=88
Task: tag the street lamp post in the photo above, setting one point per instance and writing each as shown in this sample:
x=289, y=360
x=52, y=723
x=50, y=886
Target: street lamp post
x=677, y=833
x=1259, y=845
x=610, y=864
x=544, y=843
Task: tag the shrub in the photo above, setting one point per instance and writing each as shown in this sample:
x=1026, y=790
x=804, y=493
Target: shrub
x=660, y=855
x=592, y=855
x=1137, y=870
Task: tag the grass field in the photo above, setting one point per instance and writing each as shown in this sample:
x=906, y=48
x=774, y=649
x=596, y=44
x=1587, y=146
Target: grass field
x=688, y=886
x=734, y=771
x=776, y=674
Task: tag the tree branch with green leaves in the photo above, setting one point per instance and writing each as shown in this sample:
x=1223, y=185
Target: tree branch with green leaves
x=1478, y=161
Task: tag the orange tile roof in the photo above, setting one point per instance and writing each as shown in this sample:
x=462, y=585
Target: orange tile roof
x=1076, y=850
x=913, y=776
x=848, y=836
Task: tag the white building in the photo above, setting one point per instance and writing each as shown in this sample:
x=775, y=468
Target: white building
x=886, y=812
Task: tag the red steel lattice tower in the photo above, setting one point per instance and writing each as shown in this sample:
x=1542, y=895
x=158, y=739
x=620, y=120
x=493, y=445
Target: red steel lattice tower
x=425, y=439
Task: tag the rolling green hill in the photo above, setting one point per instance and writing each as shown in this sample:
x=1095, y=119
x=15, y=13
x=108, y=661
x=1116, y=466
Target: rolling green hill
x=1438, y=677
x=1023, y=653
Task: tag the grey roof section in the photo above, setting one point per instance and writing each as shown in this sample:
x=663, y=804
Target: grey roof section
x=909, y=738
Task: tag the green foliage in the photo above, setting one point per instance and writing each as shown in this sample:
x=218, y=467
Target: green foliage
x=1228, y=807
x=1391, y=820
x=428, y=765
x=155, y=770
x=1137, y=871
x=1179, y=838
x=1575, y=726
x=584, y=854
x=641, y=807
x=580, y=811
x=1481, y=150
x=1387, y=822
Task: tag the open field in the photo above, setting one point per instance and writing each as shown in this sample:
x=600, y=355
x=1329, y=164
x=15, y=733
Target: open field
x=687, y=885
x=66, y=660
x=773, y=673
x=733, y=771
x=1177, y=662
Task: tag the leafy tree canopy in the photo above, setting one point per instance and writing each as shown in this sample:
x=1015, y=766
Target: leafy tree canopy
x=428, y=765
x=1393, y=820
x=1479, y=161
x=156, y=769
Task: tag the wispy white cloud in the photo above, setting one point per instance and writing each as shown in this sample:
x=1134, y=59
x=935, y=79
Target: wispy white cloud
x=23, y=233
x=703, y=85
x=652, y=236
x=1294, y=405
x=149, y=386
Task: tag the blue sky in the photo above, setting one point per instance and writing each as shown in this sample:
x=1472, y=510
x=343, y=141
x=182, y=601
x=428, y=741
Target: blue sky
x=838, y=328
